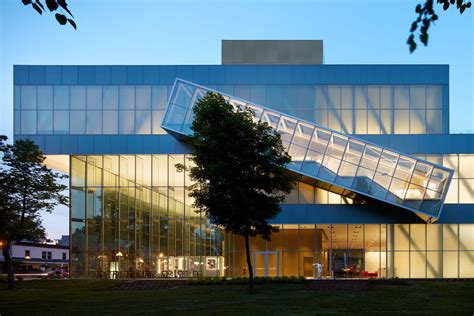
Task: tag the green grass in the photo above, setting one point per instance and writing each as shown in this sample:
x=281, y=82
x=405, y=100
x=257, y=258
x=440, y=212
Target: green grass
x=90, y=297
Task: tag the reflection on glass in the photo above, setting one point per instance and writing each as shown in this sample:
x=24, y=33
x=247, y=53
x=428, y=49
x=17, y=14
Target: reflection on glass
x=336, y=158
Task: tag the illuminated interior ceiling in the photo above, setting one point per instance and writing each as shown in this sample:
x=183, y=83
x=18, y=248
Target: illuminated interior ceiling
x=334, y=161
x=58, y=163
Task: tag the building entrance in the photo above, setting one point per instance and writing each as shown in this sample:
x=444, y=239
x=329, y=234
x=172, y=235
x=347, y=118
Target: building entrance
x=265, y=263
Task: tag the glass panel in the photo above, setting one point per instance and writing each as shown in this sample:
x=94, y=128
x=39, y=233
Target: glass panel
x=387, y=163
x=94, y=97
x=450, y=237
x=370, y=158
x=421, y=174
x=466, y=166
x=78, y=122
x=466, y=190
x=337, y=145
x=45, y=97
x=61, y=97
x=363, y=179
x=127, y=97
x=183, y=95
x=434, y=97
x=450, y=264
x=17, y=97
x=94, y=122
x=45, y=122
x=142, y=122
x=320, y=140
x=78, y=205
x=404, y=168
x=126, y=122
x=438, y=180
x=143, y=95
x=398, y=188
x=329, y=168
x=286, y=128
x=270, y=118
x=354, y=151
x=78, y=97
x=466, y=264
x=78, y=172
x=159, y=97
x=305, y=193
x=28, y=122
x=157, y=120
x=312, y=162
x=303, y=134
x=401, y=97
x=111, y=97
x=346, y=174
x=175, y=117
x=61, y=122
x=297, y=154
x=28, y=97
x=110, y=122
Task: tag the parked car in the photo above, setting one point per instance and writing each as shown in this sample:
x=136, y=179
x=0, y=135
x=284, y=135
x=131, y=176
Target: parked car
x=57, y=274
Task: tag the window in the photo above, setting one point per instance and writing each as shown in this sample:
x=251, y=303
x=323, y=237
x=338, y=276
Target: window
x=50, y=256
x=43, y=255
x=27, y=254
x=64, y=256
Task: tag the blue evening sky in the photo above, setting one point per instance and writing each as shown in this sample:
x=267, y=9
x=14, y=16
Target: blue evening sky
x=153, y=32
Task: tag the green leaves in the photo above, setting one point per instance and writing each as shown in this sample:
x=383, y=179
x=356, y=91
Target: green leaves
x=426, y=15
x=54, y=5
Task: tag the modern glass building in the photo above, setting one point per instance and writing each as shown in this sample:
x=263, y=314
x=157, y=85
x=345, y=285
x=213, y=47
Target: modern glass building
x=385, y=189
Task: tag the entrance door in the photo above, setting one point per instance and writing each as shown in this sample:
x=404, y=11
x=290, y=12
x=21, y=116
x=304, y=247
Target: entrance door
x=308, y=267
x=265, y=263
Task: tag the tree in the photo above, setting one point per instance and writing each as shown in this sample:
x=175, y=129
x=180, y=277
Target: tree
x=27, y=187
x=239, y=170
x=53, y=6
x=427, y=16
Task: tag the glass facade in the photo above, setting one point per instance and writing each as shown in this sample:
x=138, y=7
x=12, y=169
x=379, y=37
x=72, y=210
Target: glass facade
x=359, y=251
x=131, y=217
x=130, y=213
x=343, y=164
x=139, y=109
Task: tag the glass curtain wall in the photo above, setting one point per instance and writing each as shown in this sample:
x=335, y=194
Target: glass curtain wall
x=139, y=109
x=342, y=163
x=131, y=217
x=358, y=251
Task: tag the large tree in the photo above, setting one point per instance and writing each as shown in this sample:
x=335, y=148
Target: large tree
x=27, y=187
x=239, y=170
x=427, y=16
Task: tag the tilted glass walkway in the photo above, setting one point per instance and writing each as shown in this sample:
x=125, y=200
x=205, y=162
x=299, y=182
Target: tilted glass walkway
x=340, y=163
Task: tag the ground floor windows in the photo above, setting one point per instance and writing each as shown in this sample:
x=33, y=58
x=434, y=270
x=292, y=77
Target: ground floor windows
x=359, y=251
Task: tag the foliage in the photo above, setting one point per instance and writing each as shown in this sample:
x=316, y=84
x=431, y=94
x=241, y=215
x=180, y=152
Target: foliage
x=54, y=6
x=427, y=16
x=239, y=175
x=27, y=187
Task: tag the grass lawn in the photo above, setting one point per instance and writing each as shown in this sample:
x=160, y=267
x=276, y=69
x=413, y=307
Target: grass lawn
x=89, y=297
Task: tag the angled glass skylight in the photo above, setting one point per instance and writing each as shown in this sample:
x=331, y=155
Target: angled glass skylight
x=334, y=161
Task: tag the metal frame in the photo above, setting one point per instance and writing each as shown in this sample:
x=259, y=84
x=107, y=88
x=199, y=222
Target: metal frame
x=331, y=133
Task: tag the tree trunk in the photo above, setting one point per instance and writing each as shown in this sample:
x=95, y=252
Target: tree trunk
x=9, y=263
x=249, y=261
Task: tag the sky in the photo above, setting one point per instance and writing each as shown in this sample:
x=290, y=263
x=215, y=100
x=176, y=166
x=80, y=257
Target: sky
x=175, y=32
